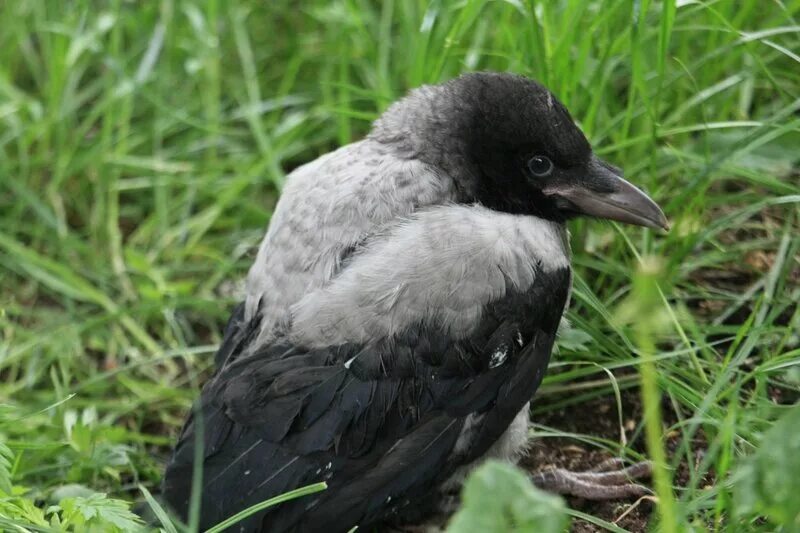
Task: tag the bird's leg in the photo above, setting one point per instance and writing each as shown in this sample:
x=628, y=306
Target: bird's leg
x=610, y=480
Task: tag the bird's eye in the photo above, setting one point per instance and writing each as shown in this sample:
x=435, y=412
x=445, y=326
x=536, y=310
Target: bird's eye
x=540, y=165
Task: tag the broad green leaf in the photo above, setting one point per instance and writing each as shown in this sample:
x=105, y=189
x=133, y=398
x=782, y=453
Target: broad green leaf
x=499, y=497
x=768, y=483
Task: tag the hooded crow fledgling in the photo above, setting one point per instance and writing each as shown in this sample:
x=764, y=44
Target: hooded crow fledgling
x=401, y=312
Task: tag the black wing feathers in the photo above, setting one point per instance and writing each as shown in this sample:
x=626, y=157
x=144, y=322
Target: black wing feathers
x=378, y=422
x=238, y=335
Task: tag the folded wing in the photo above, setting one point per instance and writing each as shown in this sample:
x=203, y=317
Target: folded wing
x=377, y=406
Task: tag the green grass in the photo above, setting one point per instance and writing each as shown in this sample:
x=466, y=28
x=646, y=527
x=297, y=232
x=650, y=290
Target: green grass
x=143, y=144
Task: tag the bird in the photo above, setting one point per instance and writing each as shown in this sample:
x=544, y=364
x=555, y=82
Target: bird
x=400, y=315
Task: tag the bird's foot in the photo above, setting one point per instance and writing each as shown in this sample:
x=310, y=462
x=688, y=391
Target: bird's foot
x=610, y=480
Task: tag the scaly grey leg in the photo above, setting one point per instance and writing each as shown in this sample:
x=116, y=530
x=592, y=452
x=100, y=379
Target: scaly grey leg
x=607, y=481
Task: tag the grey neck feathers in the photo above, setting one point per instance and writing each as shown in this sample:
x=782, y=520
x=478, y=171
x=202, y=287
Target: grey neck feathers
x=430, y=124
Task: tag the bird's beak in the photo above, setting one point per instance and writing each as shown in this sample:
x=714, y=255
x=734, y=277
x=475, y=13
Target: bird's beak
x=605, y=194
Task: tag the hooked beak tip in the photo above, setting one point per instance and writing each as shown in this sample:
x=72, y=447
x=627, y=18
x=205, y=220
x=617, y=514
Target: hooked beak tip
x=659, y=221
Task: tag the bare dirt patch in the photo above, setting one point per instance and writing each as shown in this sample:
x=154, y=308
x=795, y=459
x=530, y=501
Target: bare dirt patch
x=596, y=418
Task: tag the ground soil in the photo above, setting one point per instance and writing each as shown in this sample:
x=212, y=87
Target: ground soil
x=597, y=418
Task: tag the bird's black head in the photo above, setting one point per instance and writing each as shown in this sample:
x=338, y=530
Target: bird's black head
x=512, y=146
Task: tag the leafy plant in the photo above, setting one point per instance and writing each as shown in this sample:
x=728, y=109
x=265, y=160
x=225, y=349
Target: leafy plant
x=74, y=514
x=94, y=513
x=97, y=512
x=768, y=483
x=20, y=511
x=500, y=497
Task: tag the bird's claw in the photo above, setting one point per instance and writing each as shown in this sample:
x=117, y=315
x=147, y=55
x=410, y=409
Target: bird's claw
x=610, y=480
